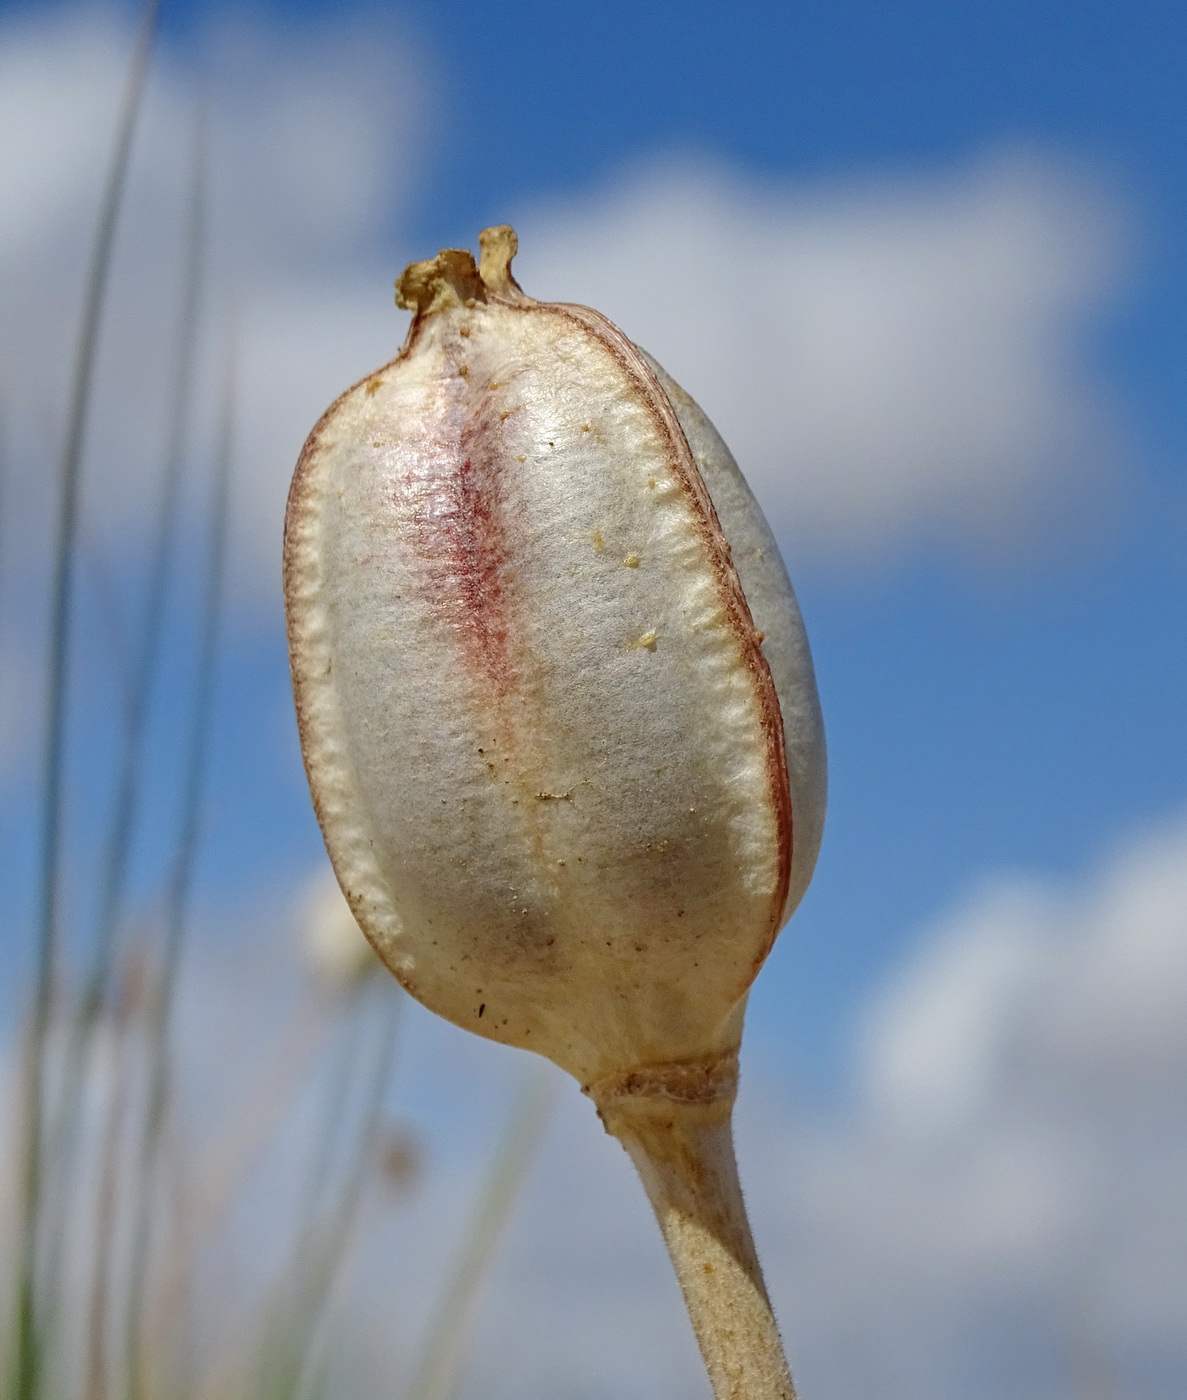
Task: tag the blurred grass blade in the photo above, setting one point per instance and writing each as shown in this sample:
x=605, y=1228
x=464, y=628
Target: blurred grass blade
x=145, y=660
x=177, y=895
x=97, y=1363
x=437, y=1374
x=3, y=512
x=140, y=669
x=27, y=1358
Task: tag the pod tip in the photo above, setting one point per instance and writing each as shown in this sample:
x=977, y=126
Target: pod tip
x=499, y=245
x=449, y=279
x=453, y=279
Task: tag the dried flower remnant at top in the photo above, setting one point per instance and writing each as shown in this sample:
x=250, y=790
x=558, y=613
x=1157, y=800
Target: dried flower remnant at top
x=561, y=728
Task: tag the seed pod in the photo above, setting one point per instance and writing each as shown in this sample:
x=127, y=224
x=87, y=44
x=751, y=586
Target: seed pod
x=560, y=723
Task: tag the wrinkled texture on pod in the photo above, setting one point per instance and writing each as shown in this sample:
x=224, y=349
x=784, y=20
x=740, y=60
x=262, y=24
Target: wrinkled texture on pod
x=569, y=787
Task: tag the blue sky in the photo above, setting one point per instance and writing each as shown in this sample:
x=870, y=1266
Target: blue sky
x=988, y=202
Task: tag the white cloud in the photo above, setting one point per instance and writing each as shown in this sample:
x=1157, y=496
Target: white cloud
x=891, y=360
x=1092, y=982
x=1010, y=1189
x=314, y=137
x=1000, y=1214
x=934, y=1038
x=314, y=140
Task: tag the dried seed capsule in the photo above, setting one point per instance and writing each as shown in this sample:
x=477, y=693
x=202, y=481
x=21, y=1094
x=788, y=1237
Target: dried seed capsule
x=555, y=698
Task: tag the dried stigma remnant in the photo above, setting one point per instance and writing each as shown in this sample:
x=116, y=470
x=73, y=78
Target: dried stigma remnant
x=464, y=638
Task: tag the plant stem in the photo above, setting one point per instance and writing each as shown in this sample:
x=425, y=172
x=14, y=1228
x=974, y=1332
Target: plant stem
x=179, y=888
x=141, y=672
x=97, y=1363
x=27, y=1366
x=4, y=508
x=674, y=1121
x=139, y=665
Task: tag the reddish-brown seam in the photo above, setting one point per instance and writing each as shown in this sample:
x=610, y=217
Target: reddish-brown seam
x=770, y=715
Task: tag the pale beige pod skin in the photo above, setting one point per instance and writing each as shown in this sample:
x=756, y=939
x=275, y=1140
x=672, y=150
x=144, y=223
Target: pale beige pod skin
x=561, y=728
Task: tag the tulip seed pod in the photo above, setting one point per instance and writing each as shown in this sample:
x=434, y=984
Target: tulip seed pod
x=561, y=728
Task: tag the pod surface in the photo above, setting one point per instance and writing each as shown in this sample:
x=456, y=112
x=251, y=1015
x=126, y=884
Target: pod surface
x=542, y=736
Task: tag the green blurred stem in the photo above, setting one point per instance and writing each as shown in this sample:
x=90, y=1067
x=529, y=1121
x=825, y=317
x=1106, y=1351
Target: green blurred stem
x=140, y=670
x=27, y=1354
x=96, y=1371
x=143, y=664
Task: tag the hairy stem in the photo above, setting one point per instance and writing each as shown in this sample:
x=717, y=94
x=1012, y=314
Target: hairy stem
x=674, y=1122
